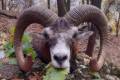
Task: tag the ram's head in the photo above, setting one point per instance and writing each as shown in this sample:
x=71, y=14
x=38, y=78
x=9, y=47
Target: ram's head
x=59, y=33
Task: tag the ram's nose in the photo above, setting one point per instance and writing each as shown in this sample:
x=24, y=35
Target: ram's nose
x=60, y=59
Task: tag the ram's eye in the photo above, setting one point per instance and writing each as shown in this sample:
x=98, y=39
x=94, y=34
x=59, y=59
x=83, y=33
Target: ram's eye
x=46, y=35
x=74, y=35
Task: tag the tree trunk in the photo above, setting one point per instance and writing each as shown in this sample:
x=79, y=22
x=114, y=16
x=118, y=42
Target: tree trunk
x=96, y=3
x=68, y=5
x=3, y=4
x=61, y=8
x=83, y=1
x=27, y=3
x=88, y=1
x=48, y=4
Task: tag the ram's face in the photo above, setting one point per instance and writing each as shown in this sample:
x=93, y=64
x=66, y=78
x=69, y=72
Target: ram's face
x=60, y=46
x=60, y=38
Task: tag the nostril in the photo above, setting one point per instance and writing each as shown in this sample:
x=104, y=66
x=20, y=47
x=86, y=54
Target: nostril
x=64, y=57
x=56, y=57
x=60, y=58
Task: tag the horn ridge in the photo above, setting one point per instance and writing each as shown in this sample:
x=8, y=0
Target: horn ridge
x=35, y=14
x=89, y=13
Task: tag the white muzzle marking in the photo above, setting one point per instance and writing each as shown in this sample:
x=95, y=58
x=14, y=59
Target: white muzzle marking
x=60, y=50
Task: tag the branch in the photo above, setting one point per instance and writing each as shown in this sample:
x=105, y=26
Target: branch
x=8, y=14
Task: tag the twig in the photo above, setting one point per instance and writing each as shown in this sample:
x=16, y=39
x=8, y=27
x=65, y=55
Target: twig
x=117, y=26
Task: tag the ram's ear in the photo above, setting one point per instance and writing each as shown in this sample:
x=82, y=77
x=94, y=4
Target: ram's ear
x=39, y=44
x=83, y=35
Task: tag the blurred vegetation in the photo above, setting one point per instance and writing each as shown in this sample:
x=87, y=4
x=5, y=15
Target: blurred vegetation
x=55, y=74
x=27, y=47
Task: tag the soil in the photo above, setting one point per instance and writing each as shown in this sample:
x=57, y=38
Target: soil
x=110, y=70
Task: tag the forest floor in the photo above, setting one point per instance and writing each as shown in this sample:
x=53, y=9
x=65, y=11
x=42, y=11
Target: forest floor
x=110, y=70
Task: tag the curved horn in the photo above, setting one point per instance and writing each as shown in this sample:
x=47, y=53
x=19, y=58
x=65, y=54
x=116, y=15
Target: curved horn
x=35, y=14
x=88, y=13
